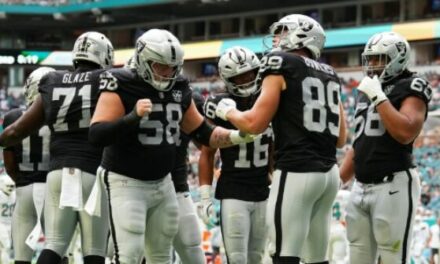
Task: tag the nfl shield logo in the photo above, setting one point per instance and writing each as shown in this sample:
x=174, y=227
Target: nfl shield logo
x=177, y=95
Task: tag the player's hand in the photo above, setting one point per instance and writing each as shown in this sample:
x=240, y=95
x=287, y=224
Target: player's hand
x=224, y=106
x=373, y=89
x=238, y=137
x=144, y=107
x=206, y=208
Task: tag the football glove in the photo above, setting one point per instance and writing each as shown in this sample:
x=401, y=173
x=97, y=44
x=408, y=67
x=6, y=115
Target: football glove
x=238, y=137
x=206, y=208
x=373, y=89
x=224, y=106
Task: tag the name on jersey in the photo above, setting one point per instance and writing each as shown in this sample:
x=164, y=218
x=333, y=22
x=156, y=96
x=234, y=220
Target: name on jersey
x=76, y=78
x=319, y=66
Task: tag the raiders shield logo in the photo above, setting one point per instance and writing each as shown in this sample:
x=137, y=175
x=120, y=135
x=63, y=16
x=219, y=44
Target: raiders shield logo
x=177, y=96
x=305, y=25
x=140, y=46
x=401, y=47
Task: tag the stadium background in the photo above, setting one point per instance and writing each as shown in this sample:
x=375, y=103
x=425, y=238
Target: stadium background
x=35, y=33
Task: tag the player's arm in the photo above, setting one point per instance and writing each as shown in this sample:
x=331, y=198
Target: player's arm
x=109, y=122
x=29, y=122
x=347, y=167
x=194, y=125
x=206, y=165
x=257, y=119
x=403, y=125
x=11, y=165
x=342, y=139
x=206, y=175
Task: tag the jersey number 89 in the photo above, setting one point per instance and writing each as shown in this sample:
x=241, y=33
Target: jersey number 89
x=317, y=99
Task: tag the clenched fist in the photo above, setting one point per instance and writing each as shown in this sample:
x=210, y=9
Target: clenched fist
x=144, y=107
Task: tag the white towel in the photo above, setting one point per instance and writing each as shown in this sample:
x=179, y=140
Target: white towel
x=71, y=189
x=93, y=204
x=38, y=194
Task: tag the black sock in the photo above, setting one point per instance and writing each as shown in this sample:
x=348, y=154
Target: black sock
x=285, y=260
x=48, y=256
x=94, y=260
x=22, y=262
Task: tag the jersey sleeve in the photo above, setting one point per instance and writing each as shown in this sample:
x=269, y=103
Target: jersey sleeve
x=209, y=110
x=108, y=82
x=280, y=63
x=272, y=64
x=415, y=86
x=210, y=106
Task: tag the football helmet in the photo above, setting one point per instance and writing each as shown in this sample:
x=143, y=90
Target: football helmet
x=94, y=47
x=130, y=63
x=158, y=47
x=32, y=82
x=237, y=61
x=297, y=32
x=392, y=52
x=7, y=185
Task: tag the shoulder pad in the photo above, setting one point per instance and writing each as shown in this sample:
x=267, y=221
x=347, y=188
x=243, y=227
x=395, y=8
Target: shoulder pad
x=411, y=86
x=107, y=81
x=182, y=80
x=277, y=63
x=211, y=104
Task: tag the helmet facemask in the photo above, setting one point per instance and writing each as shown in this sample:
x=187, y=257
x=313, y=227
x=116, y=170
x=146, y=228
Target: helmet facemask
x=375, y=64
x=154, y=74
x=243, y=85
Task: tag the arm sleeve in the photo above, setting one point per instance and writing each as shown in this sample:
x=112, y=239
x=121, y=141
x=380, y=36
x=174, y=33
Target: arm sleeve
x=106, y=133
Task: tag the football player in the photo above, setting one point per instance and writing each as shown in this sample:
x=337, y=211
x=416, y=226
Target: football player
x=243, y=186
x=28, y=163
x=188, y=239
x=390, y=112
x=338, y=243
x=66, y=103
x=139, y=116
x=301, y=97
x=7, y=202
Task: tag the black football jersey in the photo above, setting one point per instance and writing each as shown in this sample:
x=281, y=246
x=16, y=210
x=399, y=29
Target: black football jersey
x=179, y=173
x=245, y=167
x=32, y=154
x=149, y=151
x=69, y=100
x=377, y=153
x=306, y=124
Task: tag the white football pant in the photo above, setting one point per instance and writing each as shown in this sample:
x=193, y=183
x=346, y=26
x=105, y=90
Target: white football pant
x=380, y=219
x=143, y=218
x=244, y=232
x=299, y=213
